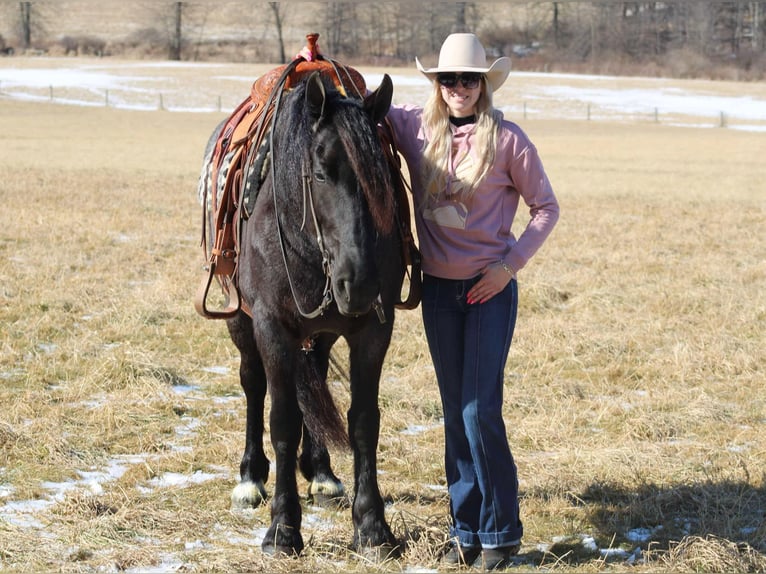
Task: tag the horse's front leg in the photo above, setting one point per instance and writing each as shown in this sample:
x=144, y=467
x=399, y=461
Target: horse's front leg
x=286, y=421
x=325, y=488
x=254, y=467
x=371, y=531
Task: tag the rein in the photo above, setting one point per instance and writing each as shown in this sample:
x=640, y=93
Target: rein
x=308, y=199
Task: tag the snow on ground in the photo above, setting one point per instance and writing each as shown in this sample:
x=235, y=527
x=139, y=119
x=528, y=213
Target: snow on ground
x=175, y=86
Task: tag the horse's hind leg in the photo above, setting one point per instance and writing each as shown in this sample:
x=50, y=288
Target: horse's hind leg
x=325, y=489
x=314, y=462
x=254, y=468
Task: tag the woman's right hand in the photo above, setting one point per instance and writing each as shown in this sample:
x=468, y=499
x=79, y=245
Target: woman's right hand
x=494, y=278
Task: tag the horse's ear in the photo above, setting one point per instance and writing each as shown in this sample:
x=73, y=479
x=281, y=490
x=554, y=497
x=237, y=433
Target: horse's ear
x=315, y=95
x=377, y=103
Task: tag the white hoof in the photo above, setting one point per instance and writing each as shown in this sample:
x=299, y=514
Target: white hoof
x=328, y=488
x=248, y=495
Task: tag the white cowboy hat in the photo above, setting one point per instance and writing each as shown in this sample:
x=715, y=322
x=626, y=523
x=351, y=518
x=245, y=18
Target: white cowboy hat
x=464, y=53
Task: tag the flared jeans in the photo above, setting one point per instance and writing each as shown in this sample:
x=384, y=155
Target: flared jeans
x=469, y=346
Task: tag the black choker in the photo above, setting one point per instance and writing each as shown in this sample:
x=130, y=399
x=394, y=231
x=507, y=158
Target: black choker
x=462, y=121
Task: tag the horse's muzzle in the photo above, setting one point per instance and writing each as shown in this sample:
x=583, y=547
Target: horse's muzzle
x=356, y=298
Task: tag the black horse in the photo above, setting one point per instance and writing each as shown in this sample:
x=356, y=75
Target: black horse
x=319, y=259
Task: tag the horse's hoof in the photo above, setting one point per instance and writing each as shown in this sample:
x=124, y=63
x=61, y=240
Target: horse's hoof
x=248, y=495
x=282, y=541
x=330, y=502
x=328, y=494
x=279, y=552
x=380, y=554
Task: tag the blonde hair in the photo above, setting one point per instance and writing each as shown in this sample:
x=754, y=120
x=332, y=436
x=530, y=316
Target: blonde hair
x=439, y=141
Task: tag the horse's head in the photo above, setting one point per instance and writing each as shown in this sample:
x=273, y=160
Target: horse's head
x=349, y=189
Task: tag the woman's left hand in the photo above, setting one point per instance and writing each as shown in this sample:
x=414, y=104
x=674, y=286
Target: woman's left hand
x=494, y=279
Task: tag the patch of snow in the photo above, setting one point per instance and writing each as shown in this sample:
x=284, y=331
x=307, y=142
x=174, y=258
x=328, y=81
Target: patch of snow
x=179, y=480
x=639, y=534
x=589, y=543
x=419, y=429
x=217, y=370
x=168, y=564
x=613, y=553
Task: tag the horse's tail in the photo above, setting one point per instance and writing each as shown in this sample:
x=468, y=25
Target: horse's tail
x=320, y=413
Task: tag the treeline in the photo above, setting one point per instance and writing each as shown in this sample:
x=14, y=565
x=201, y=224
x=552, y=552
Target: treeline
x=689, y=38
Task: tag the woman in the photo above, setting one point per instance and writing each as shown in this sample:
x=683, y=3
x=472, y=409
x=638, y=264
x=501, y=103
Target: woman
x=469, y=168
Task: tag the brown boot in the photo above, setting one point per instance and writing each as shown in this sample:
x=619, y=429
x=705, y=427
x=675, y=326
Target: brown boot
x=496, y=558
x=461, y=555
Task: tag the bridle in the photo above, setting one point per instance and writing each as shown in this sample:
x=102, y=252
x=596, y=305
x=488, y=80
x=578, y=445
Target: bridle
x=308, y=207
x=308, y=200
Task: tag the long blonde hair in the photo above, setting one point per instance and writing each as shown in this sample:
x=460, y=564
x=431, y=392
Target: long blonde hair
x=438, y=148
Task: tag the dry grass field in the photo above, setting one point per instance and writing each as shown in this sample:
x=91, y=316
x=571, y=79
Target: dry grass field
x=635, y=403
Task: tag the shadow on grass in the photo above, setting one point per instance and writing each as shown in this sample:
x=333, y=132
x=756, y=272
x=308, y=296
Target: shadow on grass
x=729, y=517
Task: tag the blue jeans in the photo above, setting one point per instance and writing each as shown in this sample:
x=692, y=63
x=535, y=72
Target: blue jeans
x=469, y=346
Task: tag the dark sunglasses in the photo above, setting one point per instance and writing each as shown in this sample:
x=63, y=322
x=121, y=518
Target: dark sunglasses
x=470, y=80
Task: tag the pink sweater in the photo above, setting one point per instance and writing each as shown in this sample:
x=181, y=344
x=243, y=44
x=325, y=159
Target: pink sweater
x=459, y=237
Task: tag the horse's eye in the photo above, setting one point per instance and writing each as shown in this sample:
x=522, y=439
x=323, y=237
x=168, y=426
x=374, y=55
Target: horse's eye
x=319, y=176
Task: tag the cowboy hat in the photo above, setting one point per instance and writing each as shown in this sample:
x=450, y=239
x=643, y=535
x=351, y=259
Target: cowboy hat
x=464, y=53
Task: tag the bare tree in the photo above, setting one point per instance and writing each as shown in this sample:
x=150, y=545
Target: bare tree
x=460, y=17
x=173, y=23
x=337, y=24
x=25, y=20
x=176, y=37
x=278, y=18
x=757, y=15
x=372, y=31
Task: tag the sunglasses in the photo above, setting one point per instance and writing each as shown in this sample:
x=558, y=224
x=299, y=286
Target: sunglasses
x=470, y=80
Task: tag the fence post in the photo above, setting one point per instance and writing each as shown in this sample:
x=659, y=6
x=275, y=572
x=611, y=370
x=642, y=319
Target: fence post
x=723, y=120
x=162, y=105
x=50, y=89
x=525, y=110
x=588, y=112
x=106, y=98
x=656, y=116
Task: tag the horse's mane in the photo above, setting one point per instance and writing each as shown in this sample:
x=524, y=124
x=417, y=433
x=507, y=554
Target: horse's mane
x=360, y=142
